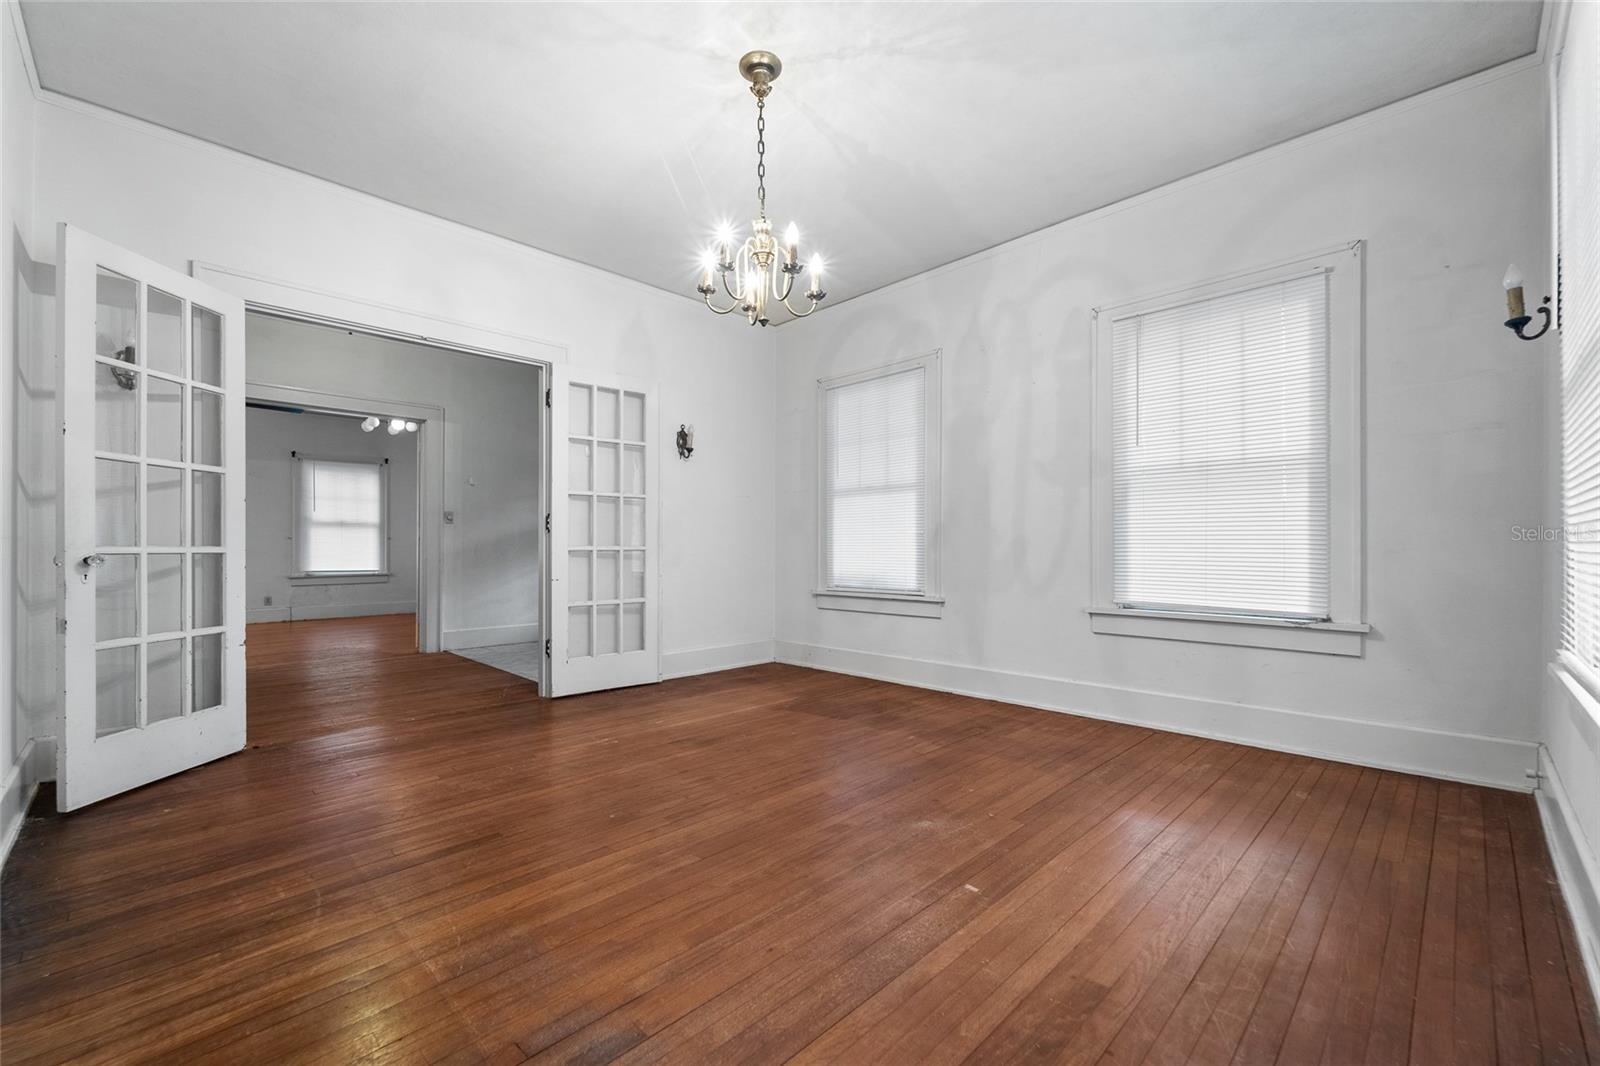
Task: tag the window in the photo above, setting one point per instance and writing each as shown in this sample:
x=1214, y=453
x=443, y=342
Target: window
x=341, y=517
x=1227, y=413
x=1578, y=238
x=879, y=433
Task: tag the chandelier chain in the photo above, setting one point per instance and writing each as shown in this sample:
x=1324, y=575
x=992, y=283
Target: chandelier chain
x=761, y=153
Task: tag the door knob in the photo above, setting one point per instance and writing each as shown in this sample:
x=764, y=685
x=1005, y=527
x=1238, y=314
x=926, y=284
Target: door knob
x=94, y=560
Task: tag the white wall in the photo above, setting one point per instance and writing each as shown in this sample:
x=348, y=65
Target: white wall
x=492, y=438
x=1446, y=189
x=271, y=438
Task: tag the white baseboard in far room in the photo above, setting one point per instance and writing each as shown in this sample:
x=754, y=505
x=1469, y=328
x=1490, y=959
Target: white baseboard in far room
x=710, y=660
x=1577, y=868
x=253, y=615
x=328, y=610
x=1494, y=761
x=489, y=636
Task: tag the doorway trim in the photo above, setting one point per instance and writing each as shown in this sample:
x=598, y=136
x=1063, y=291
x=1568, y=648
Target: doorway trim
x=430, y=483
x=270, y=296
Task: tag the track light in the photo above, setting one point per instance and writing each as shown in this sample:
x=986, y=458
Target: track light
x=370, y=423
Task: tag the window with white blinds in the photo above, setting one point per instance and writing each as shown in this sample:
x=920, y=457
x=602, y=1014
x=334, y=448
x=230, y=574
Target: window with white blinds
x=1220, y=453
x=1578, y=239
x=876, y=489
x=341, y=517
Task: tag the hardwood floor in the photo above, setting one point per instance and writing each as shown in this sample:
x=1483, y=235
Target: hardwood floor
x=418, y=861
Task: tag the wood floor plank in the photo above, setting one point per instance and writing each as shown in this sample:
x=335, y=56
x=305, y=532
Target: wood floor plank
x=1432, y=1038
x=417, y=860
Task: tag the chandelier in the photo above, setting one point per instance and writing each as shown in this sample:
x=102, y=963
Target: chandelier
x=748, y=277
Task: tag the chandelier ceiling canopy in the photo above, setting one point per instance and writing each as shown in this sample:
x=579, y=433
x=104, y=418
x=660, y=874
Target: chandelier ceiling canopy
x=762, y=271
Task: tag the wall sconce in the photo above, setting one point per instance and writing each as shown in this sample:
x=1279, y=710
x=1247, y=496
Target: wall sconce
x=1518, y=310
x=685, y=441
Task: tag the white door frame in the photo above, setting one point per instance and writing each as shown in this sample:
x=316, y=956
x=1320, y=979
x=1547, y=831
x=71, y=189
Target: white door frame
x=430, y=483
x=288, y=300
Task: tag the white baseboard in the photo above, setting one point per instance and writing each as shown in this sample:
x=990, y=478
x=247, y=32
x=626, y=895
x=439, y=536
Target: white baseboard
x=1493, y=761
x=710, y=660
x=489, y=636
x=252, y=615
x=21, y=783
x=328, y=610
x=1577, y=870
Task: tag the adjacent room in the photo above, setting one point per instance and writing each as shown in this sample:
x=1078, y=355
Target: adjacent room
x=822, y=533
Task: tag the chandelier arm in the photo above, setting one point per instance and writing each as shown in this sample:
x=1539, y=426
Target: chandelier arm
x=736, y=297
x=726, y=311
x=801, y=314
x=788, y=287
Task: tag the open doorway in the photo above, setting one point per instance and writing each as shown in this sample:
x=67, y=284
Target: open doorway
x=331, y=514
x=417, y=472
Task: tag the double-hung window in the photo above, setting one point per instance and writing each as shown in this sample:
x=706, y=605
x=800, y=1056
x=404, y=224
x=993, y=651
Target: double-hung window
x=1228, y=451
x=879, y=491
x=341, y=517
x=1578, y=238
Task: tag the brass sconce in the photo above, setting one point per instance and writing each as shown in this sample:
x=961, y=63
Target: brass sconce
x=1518, y=310
x=685, y=441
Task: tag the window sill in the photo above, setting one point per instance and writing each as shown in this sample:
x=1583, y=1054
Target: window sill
x=338, y=579
x=1581, y=684
x=880, y=603
x=1323, y=638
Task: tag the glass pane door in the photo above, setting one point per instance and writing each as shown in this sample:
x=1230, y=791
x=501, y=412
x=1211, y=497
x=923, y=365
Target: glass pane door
x=154, y=468
x=603, y=545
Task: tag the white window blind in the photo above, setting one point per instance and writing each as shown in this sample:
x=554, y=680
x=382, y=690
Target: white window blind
x=874, y=484
x=1578, y=238
x=1220, y=453
x=340, y=516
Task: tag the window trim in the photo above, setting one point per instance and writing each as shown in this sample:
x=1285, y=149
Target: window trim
x=337, y=577
x=930, y=602
x=1344, y=632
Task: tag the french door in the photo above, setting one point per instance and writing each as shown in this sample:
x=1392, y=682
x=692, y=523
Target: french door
x=604, y=532
x=151, y=524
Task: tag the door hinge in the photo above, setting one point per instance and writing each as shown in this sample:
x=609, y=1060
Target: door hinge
x=547, y=397
x=547, y=647
x=547, y=521
x=62, y=624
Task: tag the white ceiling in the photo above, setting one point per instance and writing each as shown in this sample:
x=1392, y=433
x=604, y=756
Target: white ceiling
x=900, y=137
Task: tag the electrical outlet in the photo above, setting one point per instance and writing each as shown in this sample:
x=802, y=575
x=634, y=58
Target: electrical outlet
x=266, y=601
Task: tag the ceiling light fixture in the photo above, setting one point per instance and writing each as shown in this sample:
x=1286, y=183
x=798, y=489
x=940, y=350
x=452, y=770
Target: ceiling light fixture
x=396, y=425
x=754, y=282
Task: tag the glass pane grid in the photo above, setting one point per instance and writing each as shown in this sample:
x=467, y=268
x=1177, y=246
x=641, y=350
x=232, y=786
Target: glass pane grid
x=606, y=497
x=159, y=632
